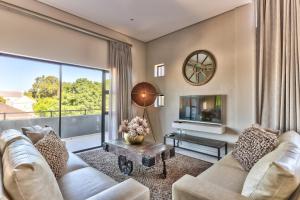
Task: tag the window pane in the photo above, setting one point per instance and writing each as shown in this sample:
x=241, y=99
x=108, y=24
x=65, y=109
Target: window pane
x=81, y=107
x=28, y=93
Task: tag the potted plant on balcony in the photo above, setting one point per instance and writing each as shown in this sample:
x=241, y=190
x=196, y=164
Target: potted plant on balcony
x=134, y=131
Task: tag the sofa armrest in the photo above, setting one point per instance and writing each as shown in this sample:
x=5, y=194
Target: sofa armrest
x=127, y=190
x=191, y=188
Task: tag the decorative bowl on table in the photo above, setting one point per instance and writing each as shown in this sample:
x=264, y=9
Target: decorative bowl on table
x=134, y=131
x=139, y=139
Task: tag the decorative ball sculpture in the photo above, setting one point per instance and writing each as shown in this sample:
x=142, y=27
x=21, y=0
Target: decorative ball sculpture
x=144, y=94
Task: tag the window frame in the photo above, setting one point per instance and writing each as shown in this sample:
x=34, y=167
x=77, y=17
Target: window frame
x=61, y=64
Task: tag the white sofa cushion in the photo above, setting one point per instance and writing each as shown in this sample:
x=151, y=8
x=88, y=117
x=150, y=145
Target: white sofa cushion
x=290, y=136
x=27, y=176
x=9, y=136
x=36, y=133
x=3, y=195
x=276, y=175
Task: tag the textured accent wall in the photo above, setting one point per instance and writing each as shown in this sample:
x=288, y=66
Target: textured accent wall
x=231, y=38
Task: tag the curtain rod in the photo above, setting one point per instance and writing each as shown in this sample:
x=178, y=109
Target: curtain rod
x=31, y=13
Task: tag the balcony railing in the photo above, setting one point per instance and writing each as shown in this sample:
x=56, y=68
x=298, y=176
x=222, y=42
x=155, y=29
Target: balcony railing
x=73, y=122
x=47, y=113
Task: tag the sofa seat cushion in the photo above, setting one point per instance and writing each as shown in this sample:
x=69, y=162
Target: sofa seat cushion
x=224, y=176
x=74, y=162
x=229, y=161
x=84, y=183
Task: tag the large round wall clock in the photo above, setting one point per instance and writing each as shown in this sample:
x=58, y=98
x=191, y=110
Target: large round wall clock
x=199, y=67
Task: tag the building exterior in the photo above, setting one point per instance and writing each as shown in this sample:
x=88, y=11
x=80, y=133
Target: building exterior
x=18, y=100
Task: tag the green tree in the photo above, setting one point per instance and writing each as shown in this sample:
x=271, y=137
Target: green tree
x=82, y=94
x=2, y=100
x=44, y=86
x=46, y=104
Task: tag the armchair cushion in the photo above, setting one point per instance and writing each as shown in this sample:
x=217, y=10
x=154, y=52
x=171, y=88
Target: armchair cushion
x=226, y=173
x=191, y=188
x=276, y=175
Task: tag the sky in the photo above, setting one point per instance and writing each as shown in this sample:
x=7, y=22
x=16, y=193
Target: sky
x=17, y=74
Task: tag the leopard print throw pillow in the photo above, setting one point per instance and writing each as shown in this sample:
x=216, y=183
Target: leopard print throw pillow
x=55, y=153
x=252, y=145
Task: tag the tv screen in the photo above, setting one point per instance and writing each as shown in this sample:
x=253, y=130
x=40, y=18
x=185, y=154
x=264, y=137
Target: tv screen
x=203, y=108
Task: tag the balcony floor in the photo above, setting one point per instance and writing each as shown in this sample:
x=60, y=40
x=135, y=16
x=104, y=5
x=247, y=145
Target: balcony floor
x=83, y=142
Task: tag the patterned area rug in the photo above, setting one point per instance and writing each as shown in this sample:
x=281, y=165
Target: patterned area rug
x=151, y=177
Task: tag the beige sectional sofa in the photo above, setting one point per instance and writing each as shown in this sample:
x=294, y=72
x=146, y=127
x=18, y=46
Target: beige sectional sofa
x=21, y=160
x=224, y=180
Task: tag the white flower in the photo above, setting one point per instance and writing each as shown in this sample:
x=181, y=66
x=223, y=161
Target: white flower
x=138, y=126
x=132, y=133
x=140, y=130
x=134, y=126
x=124, y=126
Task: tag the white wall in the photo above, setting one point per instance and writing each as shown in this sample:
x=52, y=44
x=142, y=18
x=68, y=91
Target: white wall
x=231, y=38
x=25, y=35
x=28, y=36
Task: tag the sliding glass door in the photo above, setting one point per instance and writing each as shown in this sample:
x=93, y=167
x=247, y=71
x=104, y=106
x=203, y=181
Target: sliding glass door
x=81, y=106
x=71, y=99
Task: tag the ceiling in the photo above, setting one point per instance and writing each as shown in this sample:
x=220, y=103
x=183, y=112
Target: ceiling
x=145, y=19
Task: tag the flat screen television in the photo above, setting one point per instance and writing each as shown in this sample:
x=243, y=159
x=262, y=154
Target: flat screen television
x=203, y=108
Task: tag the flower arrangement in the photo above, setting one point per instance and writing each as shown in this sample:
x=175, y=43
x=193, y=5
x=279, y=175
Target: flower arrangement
x=136, y=127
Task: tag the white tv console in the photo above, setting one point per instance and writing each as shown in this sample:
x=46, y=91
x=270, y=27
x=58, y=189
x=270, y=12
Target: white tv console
x=201, y=127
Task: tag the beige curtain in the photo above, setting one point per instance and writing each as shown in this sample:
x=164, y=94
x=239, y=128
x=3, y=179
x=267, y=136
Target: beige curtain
x=120, y=62
x=278, y=61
